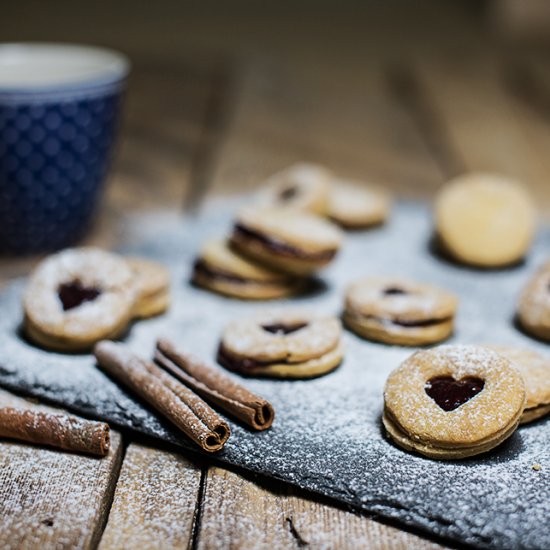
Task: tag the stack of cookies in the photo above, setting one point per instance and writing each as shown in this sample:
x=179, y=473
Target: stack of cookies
x=79, y=296
x=454, y=402
x=288, y=234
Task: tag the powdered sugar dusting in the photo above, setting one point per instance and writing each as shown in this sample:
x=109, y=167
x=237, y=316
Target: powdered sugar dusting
x=327, y=435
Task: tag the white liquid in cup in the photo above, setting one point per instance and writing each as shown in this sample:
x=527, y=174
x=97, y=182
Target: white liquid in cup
x=33, y=67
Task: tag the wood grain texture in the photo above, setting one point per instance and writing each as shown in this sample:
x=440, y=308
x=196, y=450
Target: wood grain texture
x=305, y=90
x=51, y=499
x=343, y=117
x=162, y=132
x=155, y=501
x=488, y=128
x=239, y=514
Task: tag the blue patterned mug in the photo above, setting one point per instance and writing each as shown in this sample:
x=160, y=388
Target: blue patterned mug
x=59, y=107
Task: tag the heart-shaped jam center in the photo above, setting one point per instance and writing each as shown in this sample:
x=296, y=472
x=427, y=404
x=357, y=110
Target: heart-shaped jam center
x=281, y=329
x=74, y=294
x=450, y=394
x=394, y=291
x=288, y=194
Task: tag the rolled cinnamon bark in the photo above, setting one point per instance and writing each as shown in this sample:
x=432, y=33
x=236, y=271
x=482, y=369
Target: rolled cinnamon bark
x=176, y=402
x=55, y=430
x=215, y=386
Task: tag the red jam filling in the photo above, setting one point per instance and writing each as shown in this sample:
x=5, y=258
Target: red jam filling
x=449, y=394
x=282, y=329
x=288, y=194
x=74, y=294
x=394, y=291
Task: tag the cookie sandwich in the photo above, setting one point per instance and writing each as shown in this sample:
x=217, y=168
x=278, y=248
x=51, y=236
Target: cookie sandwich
x=399, y=311
x=453, y=402
x=286, y=240
x=282, y=344
x=220, y=269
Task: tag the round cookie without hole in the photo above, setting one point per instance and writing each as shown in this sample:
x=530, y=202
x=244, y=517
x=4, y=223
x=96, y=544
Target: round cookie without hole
x=485, y=220
x=355, y=206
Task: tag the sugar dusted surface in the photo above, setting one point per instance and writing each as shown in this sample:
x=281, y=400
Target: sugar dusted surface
x=327, y=435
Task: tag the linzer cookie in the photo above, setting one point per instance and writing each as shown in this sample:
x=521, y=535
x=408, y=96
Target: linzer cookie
x=282, y=344
x=534, y=304
x=153, y=287
x=453, y=402
x=79, y=296
x=222, y=270
x=356, y=205
x=535, y=369
x=485, y=220
x=399, y=311
x=301, y=186
x=287, y=240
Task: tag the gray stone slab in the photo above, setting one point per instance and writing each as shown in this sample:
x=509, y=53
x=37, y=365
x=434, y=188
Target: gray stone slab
x=327, y=436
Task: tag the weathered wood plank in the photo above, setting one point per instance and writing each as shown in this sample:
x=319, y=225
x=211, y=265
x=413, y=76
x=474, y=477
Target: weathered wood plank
x=155, y=501
x=52, y=499
x=341, y=116
x=239, y=514
x=485, y=125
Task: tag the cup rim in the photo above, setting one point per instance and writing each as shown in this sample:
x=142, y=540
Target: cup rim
x=112, y=67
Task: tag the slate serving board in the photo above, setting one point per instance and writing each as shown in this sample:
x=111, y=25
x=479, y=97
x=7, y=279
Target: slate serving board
x=327, y=436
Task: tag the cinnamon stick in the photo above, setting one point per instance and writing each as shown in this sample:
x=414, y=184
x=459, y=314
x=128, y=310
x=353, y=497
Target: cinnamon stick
x=215, y=386
x=55, y=430
x=171, y=398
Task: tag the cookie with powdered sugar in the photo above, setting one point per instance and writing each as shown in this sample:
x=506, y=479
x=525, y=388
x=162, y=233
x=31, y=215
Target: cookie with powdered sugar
x=535, y=369
x=398, y=311
x=453, y=402
x=221, y=269
x=294, y=242
x=302, y=186
x=77, y=297
x=282, y=344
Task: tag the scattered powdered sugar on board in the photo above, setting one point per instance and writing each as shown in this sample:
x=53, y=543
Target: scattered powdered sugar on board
x=327, y=435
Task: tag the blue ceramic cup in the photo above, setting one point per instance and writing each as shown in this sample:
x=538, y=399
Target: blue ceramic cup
x=59, y=108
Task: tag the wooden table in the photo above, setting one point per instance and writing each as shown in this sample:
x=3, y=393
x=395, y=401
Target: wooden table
x=217, y=102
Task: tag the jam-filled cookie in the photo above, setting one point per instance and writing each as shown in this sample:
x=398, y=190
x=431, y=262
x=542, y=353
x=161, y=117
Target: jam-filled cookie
x=282, y=344
x=535, y=369
x=398, y=311
x=77, y=297
x=287, y=240
x=453, y=402
x=221, y=269
x=152, y=282
x=301, y=186
x=356, y=206
x=485, y=220
x=534, y=304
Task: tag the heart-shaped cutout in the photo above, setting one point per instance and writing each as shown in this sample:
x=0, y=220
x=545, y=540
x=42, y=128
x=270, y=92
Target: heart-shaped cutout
x=74, y=294
x=449, y=394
